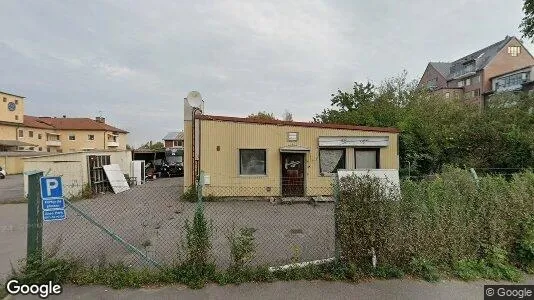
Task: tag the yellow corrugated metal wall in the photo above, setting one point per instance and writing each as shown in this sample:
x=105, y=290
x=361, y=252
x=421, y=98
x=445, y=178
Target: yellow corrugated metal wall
x=223, y=166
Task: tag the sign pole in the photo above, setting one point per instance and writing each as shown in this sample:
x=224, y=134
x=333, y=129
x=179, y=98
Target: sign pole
x=34, y=244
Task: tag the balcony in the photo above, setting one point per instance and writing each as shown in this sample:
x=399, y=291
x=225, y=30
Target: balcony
x=53, y=143
x=113, y=144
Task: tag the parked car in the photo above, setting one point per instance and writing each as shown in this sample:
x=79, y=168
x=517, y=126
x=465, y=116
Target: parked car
x=174, y=158
x=3, y=173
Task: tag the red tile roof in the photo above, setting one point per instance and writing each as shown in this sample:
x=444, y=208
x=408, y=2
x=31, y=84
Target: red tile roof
x=291, y=123
x=68, y=124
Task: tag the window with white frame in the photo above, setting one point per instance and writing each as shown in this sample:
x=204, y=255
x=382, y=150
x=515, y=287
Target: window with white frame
x=252, y=162
x=460, y=83
x=447, y=95
x=72, y=137
x=467, y=81
x=90, y=137
x=331, y=160
x=514, y=50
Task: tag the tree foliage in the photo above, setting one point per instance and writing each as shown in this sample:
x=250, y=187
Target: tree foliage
x=262, y=115
x=527, y=24
x=435, y=131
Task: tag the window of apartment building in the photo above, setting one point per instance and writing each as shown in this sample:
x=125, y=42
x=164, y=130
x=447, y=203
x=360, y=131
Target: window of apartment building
x=447, y=95
x=252, y=161
x=467, y=81
x=514, y=50
x=39, y=136
x=367, y=158
x=21, y=133
x=174, y=143
x=477, y=92
x=91, y=137
x=32, y=148
x=330, y=160
x=47, y=149
x=476, y=79
x=72, y=137
x=432, y=83
x=40, y=148
x=460, y=83
x=30, y=133
x=180, y=143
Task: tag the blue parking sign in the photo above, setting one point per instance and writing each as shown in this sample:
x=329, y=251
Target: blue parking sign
x=54, y=215
x=52, y=200
x=51, y=188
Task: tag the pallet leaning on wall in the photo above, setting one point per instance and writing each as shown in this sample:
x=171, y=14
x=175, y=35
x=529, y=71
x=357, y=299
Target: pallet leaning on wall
x=97, y=178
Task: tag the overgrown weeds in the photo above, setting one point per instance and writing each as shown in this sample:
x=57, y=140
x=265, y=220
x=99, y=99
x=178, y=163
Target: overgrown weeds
x=190, y=194
x=482, y=230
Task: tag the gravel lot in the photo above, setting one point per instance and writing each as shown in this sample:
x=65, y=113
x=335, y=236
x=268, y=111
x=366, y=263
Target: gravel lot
x=152, y=217
x=12, y=188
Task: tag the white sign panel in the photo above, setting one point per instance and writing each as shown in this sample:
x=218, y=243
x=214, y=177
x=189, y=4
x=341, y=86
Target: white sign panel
x=116, y=178
x=353, y=141
x=390, y=177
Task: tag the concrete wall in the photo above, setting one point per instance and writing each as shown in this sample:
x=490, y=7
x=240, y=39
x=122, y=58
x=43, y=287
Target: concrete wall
x=12, y=164
x=221, y=141
x=15, y=116
x=72, y=167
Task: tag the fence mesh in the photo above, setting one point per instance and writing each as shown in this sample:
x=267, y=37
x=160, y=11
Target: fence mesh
x=151, y=217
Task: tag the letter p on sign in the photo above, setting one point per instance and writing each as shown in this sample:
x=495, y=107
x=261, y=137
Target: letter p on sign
x=51, y=187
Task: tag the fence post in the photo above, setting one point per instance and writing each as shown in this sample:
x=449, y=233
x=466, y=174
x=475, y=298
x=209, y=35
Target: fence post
x=200, y=185
x=34, y=246
x=336, y=204
x=475, y=176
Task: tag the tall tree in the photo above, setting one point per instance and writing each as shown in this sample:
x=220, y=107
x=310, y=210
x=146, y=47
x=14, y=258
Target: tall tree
x=527, y=24
x=287, y=116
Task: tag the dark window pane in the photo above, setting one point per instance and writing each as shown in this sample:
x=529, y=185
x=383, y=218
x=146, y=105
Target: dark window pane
x=252, y=161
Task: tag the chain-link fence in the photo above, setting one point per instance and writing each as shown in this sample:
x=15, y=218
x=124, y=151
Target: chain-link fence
x=151, y=217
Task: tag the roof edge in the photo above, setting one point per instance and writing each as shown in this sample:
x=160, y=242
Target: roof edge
x=298, y=124
x=12, y=94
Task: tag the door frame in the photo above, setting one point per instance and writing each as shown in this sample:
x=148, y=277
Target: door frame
x=304, y=167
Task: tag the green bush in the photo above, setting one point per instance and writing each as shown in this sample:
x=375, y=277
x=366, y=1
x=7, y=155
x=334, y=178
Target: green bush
x=242, y=247
x=449, y=222
x=190, y=194
x=525, y=246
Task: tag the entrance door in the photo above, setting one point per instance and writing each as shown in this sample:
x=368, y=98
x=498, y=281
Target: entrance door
x=292, y=174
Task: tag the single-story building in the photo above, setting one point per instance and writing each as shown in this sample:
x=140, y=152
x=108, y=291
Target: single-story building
x=78, y=170
x=251, y=157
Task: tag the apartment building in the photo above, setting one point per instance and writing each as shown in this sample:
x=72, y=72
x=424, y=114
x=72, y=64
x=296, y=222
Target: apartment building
x=475, y=77
x=174, y=139
x=53, y=134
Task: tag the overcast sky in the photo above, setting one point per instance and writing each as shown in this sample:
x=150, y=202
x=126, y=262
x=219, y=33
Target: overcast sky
x=134, y=61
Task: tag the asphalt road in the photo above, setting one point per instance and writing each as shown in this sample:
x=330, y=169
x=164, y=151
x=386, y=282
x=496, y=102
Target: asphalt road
x=376, y=289
x=12, y=236
x=12, y=188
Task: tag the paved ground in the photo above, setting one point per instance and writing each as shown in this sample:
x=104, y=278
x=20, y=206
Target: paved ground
x=378, y=289
x=11, y=188
x=151, y=217
x=12, y=236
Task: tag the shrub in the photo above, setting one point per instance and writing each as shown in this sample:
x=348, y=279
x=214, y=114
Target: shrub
x=190, y=194
x=525, y=246
x=242, y=247
x=449, y=222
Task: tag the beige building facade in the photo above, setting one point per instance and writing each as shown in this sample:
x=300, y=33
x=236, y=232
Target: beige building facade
x=270, y=158
x=50, y=134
